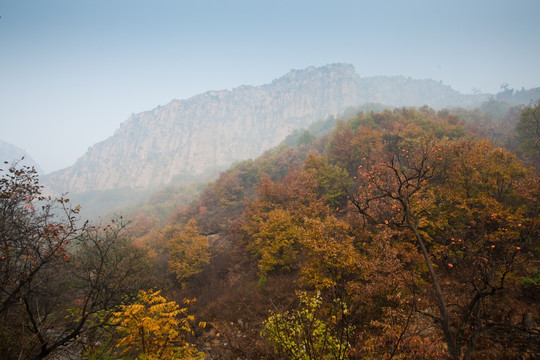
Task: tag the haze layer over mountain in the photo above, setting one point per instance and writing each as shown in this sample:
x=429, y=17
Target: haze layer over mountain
x=193, y=137
x=12, y=153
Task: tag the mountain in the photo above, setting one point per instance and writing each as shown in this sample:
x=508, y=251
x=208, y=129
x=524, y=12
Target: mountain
x=12, y=153
x=191, y=138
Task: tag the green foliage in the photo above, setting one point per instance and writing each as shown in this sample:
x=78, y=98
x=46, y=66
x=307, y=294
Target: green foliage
x=163, y=202
x=305, y=138
x=301, y=333
x=248, y=172
x=333, y=181
x=321, y=127
x=533, y=281
x=528, y=133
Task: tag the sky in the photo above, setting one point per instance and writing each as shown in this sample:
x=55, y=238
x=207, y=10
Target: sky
x=72, y=71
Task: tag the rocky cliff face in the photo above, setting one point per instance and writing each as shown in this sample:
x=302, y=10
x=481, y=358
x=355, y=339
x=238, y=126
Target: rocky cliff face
x=188, y=138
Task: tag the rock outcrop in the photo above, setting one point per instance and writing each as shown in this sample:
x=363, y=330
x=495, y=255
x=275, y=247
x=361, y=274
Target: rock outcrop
x=189, y=138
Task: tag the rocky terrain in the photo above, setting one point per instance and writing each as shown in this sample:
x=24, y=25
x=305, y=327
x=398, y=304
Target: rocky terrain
x=188, y=139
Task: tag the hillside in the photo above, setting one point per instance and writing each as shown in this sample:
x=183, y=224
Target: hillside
x=371, y=230
x=403, y=233
x=11, y=153
x=193, y=138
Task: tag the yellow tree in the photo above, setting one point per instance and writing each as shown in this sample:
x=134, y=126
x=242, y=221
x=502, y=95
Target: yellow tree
x=331, y=260
x=154, y=328
x=188, y=251
x=274, y=220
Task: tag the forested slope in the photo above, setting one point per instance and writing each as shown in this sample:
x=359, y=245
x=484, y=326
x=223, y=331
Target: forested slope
x=404, y=233
x=401, y=233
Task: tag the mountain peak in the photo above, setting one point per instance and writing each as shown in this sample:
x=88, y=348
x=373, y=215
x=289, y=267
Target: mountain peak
x=208, y=132
x=311, y=73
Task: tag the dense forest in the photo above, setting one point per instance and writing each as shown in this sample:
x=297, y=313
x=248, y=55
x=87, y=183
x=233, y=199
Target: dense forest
x=400, y=234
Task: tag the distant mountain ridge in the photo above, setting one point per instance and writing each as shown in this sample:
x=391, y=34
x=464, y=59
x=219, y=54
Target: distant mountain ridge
x=12, y=154
x=189, y=138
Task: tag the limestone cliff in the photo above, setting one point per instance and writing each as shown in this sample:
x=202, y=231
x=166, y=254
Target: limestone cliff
x=189, y=138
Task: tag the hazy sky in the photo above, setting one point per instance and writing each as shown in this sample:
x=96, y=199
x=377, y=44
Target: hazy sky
x=71, y=71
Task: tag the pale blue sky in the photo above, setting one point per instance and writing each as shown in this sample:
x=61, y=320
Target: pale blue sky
x=71, y=71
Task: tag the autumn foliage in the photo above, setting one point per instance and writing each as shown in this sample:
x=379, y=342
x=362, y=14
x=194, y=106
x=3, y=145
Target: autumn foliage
x=188, y=250
x=402, y=234
x=451, y=210
x=154, y=328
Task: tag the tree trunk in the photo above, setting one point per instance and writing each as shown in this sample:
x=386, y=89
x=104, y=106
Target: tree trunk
x=453, y=350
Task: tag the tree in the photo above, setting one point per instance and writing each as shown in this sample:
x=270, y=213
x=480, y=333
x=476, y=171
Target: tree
x=57, y=279
x=275, y=240
x=331, y=179
x=301, y=334
x=528, y=132
x=274, y=220
x=331, y=260
x=153, y=328
x=291, y=231
x=349, y=146
x=456, y=201
x=31, y=240
x=188, y=251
